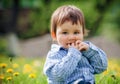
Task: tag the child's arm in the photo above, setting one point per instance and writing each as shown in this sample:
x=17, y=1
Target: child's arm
x=96, y=57
x=59, y=67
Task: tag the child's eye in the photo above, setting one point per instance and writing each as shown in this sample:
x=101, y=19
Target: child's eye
x=64, y=32
x=76, y=32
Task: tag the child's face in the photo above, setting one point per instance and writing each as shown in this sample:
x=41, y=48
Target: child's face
x=67, y=33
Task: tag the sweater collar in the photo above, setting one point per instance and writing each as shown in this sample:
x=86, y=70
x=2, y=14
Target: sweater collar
x=55, y=47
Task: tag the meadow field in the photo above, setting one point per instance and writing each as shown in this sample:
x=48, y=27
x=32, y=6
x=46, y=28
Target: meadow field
x=21, y=70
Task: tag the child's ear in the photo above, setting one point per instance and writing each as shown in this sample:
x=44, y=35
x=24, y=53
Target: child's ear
x=53, y=35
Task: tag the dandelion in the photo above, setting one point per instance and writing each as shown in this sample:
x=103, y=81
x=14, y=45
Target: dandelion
x=15, y=65
x=106, y=72
x=118, y=74
x=36, y=63
x=16, y=74
x=32, y=75
x=27, y=68
x=9, y=78
x=9, y=70
x=3, y=65
x=2, y=76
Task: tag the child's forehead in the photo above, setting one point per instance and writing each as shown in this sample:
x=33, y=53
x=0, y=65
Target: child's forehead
x=69, y=25
x=69, y=22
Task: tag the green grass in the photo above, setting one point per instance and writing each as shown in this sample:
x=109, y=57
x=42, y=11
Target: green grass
x=30, y=71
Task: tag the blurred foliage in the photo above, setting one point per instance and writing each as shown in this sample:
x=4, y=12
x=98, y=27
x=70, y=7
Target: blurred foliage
x=100, y=16
x=3, y=46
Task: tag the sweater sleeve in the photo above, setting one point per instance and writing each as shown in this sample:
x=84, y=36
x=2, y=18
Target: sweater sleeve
x=58, y=68
x=96, y=57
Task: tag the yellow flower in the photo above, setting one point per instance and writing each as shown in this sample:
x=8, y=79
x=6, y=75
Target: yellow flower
x=118, y=74
x=1, y=76
x=105, y=72
x=3, y=65
x=32, y=75
x=16, y=73
x=36, y=63
x=9, y=78
x=27, y=68
x=15, y=65
x=9, y=70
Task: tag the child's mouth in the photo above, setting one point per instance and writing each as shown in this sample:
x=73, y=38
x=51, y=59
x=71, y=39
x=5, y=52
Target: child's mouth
x=69, y=43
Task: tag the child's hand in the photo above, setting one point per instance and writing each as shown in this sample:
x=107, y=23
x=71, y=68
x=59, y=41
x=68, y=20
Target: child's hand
x=82, y=46
x=79, y=45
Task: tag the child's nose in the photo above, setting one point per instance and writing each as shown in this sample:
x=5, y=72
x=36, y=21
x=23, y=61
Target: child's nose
x=72, y=37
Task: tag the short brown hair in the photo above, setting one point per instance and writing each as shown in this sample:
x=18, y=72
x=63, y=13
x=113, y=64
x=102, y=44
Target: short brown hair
x=67, y=13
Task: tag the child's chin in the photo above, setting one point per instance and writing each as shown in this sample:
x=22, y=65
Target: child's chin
x=66, y=47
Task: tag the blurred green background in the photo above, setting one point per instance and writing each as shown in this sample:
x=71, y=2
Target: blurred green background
x=102, y=17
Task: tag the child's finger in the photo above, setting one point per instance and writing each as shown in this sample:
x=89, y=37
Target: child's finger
x=83, y=47
x=78, y=42
x=73, y=44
